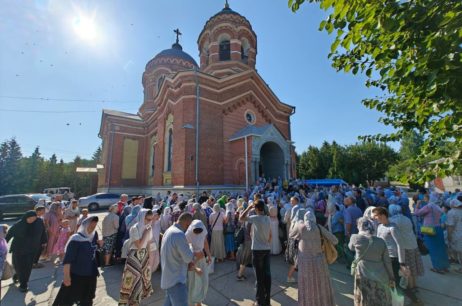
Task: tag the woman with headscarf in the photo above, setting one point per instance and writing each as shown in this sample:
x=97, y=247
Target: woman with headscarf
x=166, y=219
x=434, y=242
x=28, y=237
x=109, y=231
x=314, y=285
x=371, y=268
x=121, y=231
x=131, y=220
x=454, y=225
x=154, y=256
x=222, y=201
x=413, y=260
x=217, y=245
x=276, y=247
x=72, y=213
x=80, y=268
x=199, y=213
x=52, y=221
x=136, y=277
x=198, y=284
x=368, y=214
x=230, y=228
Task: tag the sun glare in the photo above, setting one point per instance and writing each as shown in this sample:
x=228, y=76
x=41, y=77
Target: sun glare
x=86, y=28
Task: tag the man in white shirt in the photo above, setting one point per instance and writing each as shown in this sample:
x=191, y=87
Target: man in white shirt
x=176, y=257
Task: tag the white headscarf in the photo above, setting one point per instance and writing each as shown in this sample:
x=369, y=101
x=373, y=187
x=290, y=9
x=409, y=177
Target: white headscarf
x=310, y=219
x=196, y=240
x=82, y=234
x=140, y=220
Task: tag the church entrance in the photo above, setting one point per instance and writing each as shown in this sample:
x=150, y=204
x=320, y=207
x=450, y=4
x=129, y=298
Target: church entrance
x=271, y=160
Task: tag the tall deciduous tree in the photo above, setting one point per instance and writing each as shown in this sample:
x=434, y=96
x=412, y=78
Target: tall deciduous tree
x=411, y=50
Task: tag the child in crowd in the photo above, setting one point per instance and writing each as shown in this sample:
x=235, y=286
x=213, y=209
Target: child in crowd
x=83, y=217
x=63, y=237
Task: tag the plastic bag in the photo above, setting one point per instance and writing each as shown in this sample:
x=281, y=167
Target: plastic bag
x=211, y=266
x=396, y=298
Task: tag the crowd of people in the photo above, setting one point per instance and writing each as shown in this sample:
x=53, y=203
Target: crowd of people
x=376, y=234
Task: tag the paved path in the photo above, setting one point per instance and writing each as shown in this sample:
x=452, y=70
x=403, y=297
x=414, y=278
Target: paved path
x=435, y=289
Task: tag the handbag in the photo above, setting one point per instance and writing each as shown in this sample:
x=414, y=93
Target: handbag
x=328, y=248
x=422, y=248
x=429, y=230
x=8, y=270
x=239, y=236
x=355, y=262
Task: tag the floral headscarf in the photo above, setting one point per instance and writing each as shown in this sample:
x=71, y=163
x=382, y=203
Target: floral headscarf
x=310, y=219
x=131, y=219
x=366, y=226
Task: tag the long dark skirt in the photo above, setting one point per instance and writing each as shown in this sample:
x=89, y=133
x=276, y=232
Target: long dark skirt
x=81, y=291
x=437, y=249
x=22, y=263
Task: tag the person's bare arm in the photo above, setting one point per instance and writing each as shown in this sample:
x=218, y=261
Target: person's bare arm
x=243, y=217
x=67, y=275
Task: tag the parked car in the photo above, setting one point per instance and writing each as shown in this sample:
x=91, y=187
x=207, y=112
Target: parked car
x=14, y=205
x=99, y=200
x=38, y=196
x=63, y=193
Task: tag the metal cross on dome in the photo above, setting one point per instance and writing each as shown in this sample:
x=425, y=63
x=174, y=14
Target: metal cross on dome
x=178, y=33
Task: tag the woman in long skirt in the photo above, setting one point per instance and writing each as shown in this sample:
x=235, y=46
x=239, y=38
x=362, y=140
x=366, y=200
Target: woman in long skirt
x=136, y=277
x=276, y=247
x=431, y=214
x=198, y=284
x=230, y=228
x=217, y=246
x=314, y=285
x=154, y=256
x=373, y=274
x=52, y=221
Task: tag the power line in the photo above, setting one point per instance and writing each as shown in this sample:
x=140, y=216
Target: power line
x=44, y=99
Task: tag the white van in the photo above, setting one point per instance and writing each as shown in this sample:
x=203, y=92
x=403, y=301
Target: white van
x=59, y=191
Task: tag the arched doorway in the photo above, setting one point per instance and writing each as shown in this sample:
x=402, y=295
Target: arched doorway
x=271, y=160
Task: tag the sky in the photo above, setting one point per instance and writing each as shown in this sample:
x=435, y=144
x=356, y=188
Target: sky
x=62, y=62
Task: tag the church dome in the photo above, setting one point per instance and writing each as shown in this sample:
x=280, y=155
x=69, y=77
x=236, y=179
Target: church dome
x=175, y=56
x=227, y=36
x=166, y=62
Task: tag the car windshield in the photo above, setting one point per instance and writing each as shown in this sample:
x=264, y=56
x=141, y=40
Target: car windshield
x=38, y=196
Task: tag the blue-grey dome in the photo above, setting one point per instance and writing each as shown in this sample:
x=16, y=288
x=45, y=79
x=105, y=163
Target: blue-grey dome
x=176, y=51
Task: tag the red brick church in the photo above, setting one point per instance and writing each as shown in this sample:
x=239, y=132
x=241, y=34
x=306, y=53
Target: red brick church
x=216, y=125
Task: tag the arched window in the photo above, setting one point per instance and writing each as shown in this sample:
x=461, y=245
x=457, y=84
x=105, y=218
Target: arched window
x=170, y=150
x=153, y=156
x=225, y=50
x=168, y=144
x=245, y=50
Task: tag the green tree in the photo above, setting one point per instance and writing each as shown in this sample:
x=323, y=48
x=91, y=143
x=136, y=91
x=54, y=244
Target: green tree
x=10, y=159
x=411, y=50
x=97, y=155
